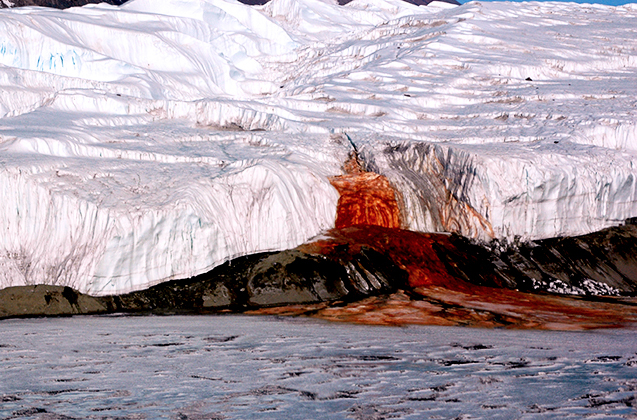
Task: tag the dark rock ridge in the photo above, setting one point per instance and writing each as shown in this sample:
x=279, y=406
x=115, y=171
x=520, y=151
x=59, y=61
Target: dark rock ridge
x=600, y=263
x=46, y=300
x=416, y=2
x=454, y=281
x=57, y=4
x=356, y=263
x=269, y=279
x=65, y=4
x=249, y=282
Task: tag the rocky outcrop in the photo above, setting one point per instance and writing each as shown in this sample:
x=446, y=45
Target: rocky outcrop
x=65, y=4
x=454, y=281
x=45, y=300
x=58, y=4
x=600, y=263
x=250, y=282
x=270, y=279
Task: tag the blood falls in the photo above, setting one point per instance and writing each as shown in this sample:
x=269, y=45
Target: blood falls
x=159, y=140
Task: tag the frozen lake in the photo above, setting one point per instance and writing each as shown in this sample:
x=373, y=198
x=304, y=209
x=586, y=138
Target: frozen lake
x=240, y=367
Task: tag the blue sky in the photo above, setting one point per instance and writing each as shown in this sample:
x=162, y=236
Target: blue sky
x=608, y=2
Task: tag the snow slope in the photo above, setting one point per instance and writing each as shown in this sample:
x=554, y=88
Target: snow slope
x=160, y=138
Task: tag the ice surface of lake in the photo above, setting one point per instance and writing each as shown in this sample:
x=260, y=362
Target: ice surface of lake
x=238, y=367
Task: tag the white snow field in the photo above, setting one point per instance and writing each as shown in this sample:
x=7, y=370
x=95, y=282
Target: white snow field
x=237, y=367
x=161, y=138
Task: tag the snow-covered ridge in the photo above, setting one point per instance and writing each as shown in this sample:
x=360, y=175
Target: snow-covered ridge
x=129, y=153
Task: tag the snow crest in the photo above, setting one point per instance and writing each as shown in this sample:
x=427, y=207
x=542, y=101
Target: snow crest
x=157, y=139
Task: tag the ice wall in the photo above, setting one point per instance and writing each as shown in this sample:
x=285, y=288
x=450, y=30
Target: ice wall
x=157, y=139
x=140, y=207
x=532, y=190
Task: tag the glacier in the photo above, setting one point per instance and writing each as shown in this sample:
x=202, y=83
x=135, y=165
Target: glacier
x=158, y=139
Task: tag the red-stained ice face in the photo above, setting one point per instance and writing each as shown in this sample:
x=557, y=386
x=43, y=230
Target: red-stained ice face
x=440, y=297
x=368, y=215
x=366, y=198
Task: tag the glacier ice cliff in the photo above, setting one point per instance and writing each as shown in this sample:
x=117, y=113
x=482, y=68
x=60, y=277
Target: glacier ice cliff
x=157, y=139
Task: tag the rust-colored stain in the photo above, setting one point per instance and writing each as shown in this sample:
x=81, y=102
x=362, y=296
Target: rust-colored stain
x=440, y=298
x=451, y=308
x=411, y=251
x=368, y=215
x=366, y=198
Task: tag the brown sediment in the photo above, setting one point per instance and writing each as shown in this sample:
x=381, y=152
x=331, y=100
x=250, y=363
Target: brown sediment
x=441, y=297
x=448, y=281
x=366, y=198
x=368, y=215
x=452, y=308
x=459, y=217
